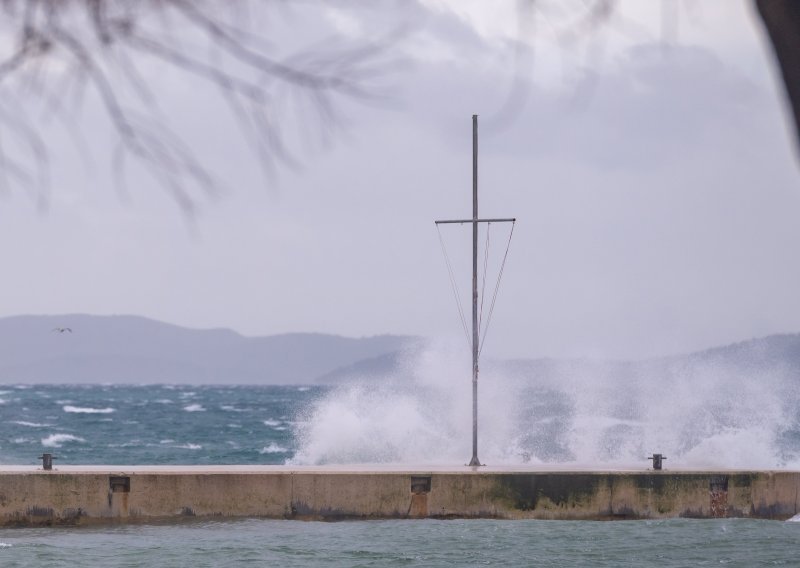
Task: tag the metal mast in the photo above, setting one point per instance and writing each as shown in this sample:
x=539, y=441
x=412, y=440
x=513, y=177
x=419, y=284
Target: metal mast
x=475, y=334
x=475, y=331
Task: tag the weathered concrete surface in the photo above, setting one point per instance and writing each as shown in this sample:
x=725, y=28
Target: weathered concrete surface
x=81, y=495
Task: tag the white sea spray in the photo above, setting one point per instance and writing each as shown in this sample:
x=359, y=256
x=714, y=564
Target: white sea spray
x=578, y=413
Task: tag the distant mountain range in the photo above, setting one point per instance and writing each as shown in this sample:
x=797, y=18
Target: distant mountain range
x=773, y=356
x=131, y=349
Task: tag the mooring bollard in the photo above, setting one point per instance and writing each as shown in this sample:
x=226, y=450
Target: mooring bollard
x=657, y=460
x=47, y=461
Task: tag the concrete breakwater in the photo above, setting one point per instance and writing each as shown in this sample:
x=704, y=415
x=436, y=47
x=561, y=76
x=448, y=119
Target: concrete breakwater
x=120, y=494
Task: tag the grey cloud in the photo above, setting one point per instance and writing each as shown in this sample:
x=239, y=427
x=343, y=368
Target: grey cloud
x=657, y=214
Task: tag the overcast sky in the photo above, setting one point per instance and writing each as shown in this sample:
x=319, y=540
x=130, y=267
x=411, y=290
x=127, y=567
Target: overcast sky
x=657, y=196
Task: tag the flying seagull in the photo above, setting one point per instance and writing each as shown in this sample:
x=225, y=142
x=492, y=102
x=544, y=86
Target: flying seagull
x=62, y=329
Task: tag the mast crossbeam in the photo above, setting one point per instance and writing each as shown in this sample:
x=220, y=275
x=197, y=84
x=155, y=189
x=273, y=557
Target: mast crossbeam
x=509, y=220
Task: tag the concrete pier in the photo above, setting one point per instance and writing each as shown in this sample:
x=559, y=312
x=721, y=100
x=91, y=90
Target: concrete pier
x=70, y=495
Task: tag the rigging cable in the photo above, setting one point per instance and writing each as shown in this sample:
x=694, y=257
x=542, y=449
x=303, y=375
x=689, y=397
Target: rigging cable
x=485, y=265
x=454, y=286
x=496, y=288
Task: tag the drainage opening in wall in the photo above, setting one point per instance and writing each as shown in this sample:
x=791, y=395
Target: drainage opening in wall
x=119, y=484
x=420, y=484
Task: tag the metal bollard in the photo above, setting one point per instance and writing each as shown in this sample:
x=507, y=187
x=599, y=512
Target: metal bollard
x=657, y=458
x=47, y=461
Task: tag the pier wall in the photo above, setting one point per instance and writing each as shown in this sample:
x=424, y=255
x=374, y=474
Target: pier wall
x=82, y=496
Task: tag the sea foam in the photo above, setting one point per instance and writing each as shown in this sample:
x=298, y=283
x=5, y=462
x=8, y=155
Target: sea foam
x=57, y=440
x=273, y=448
x=30, y=424
x=87, y=410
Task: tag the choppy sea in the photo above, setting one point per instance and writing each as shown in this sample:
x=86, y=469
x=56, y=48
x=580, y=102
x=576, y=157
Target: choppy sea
x=162, y=424
x=151, y=424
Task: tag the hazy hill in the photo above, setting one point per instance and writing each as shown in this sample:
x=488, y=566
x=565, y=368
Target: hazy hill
x=768, y=356
x=773, y=355
x=132, y=349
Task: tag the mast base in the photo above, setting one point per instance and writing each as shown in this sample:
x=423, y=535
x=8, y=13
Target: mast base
x=475, y=462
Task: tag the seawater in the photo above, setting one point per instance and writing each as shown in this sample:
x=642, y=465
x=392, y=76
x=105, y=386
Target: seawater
x=421, y=418
x=151, y=424
x=165, y=424
x=678, y=542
